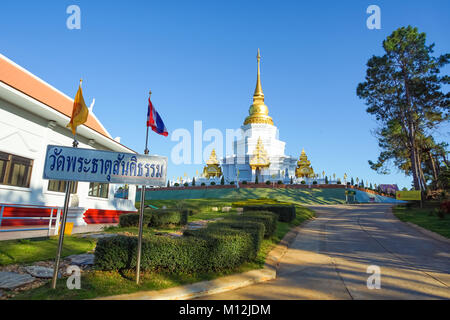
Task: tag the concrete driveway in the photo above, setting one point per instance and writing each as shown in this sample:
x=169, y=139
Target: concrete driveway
x=331, y=254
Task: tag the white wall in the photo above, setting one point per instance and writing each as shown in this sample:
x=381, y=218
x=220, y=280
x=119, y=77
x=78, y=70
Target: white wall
x=25, y=134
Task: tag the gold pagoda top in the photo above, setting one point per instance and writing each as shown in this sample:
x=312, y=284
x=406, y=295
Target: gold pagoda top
x=212, y=158
x=304, y=169
x=259, y=113
x=260, y=158
x=212, y=168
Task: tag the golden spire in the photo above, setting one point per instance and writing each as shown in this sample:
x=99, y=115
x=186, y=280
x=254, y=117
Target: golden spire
x=258, y=95
x=259, y=113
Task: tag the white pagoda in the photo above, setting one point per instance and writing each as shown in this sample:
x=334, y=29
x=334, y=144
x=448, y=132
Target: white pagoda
x=258, y=154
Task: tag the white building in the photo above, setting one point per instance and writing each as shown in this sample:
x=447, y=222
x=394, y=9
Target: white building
x=259, y=152
x=33, y=114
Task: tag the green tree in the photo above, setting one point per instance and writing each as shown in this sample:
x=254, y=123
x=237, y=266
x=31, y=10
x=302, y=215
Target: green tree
x=193, y=181
x=403, y=88
x=222, y=181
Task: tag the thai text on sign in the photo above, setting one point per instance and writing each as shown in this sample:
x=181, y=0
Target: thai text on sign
x=77, y=164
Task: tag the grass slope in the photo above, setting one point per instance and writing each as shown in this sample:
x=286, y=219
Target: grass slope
x=305, y=196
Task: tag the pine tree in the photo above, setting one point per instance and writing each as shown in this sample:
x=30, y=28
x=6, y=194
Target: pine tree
x=222, y=181
x=403, y=90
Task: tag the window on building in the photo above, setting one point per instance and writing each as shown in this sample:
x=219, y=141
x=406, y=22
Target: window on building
x=15, y=170
x=60, y=186
x=99, y=190
x=122, y=192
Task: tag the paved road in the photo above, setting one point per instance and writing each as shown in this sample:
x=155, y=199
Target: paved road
x=330, y=256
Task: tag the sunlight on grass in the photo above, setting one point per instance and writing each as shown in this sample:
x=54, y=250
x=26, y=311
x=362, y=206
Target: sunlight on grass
x=425, y=218
x=25, y=251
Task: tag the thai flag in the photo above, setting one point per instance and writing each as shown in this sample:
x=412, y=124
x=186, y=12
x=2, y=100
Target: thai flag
x=154, y=120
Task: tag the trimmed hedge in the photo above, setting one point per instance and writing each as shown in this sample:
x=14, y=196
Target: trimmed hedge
x=255, y=228
x=203, y=251
x=285, y=212
x=161, y=218
x=268, y=218
x=155, y=218
x=132, y=219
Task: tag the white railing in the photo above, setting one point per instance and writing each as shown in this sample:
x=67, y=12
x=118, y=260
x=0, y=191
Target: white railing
x=52, y=230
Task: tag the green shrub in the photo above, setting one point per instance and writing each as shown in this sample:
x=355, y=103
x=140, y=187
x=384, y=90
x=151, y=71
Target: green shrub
x=166, y=217
x=186, y=184
x=206, y=250
x=269, y=219
x=203, y=184
x=232, y=183
x=113, y=253
x=177, y=184
x=303, y=182
x=159, y=253
x=285, y=212
x=213, y=183
x=280, y=182
x=314, y=182
x=268, y=182
x=244, y=182
x=254, y=228
x=132, y=219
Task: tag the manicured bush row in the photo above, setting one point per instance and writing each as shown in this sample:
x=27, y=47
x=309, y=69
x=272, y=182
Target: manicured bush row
x=132, y=219
x=204, y=251
x=161, y=218
x=254, y=228
x=285, y=212
x=268, y=218
x=155, y=218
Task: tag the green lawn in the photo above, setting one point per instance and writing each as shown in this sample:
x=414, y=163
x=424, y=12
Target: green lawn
x=102, y=283
x=426, y=218
x=26, y=251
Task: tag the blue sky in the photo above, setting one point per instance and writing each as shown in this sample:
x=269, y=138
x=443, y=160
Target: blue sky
x=198, y=58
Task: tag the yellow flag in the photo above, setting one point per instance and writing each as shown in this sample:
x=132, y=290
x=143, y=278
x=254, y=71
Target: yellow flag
x=79, y=113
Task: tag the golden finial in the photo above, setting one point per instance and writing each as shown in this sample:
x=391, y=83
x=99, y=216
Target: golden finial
x=150, y=92
x=258, y=95
x=259, y=113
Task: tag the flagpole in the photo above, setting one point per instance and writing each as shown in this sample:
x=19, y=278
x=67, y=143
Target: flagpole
x=64, y=219
x=141, y=214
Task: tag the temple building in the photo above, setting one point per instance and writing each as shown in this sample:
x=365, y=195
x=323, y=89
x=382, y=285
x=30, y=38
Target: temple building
x=212, y=168
x=33, y=115
x=258, y=152
x=304, y=169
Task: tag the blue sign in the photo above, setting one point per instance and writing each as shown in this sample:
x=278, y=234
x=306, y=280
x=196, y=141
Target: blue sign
x=77, y=164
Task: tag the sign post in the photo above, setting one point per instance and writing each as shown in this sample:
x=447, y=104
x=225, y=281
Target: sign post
x=87, y=165
x=63, y=226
